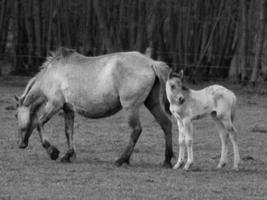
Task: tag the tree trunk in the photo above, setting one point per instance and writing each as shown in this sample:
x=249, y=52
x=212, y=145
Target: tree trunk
x=103, y=26
x=37, y=27
x=28, y=22
x=243, y=41
x=49, y=26
x=259, y=44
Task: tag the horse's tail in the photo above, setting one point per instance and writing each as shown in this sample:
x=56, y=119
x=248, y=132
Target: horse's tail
x=162, y=70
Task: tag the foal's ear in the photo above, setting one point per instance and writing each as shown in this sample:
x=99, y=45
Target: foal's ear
x=172, y=73
x=181, y=74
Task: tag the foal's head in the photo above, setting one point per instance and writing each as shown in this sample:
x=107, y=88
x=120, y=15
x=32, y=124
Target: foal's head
x=175, y=88
x=24, y=116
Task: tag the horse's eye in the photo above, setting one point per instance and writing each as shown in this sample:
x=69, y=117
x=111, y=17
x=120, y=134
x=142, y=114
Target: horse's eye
x=172, y=87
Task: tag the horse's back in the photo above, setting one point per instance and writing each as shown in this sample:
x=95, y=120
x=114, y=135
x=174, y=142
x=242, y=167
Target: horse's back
x=101, y=85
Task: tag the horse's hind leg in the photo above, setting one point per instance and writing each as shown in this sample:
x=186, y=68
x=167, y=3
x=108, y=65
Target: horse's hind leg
x=70, y=155
x=155, y=107
x=134, y=123
x=49, y=110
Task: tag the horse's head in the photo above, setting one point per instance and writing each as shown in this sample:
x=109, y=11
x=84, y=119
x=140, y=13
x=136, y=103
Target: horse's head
x=25, y=122
x=175, y=88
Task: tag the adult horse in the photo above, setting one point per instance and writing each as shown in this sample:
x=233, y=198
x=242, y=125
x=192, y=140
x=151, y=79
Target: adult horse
x=94, y=87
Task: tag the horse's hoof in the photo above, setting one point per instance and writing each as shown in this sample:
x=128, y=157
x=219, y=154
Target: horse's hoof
x=167, y=165
x=120, y=162
x=68, y=157
x=53, y=152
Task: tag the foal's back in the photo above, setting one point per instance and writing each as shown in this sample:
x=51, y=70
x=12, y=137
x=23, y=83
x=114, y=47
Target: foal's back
x=222, y=98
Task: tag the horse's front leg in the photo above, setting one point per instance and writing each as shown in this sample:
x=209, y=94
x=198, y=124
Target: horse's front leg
x=188, y=130
x=49, y=110
x=70, y=155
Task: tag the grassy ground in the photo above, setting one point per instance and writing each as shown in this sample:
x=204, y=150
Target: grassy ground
x=29, y=174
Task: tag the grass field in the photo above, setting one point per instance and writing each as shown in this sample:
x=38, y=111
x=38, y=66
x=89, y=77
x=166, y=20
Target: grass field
x=30, y=174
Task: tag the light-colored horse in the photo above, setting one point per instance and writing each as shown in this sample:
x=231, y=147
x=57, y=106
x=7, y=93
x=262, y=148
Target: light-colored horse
x=94, y=87
x=187, y=105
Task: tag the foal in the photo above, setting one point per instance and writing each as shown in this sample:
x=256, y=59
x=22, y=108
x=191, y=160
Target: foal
x=187, y=105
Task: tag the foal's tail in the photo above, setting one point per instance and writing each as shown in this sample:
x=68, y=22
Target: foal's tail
x=162, y=70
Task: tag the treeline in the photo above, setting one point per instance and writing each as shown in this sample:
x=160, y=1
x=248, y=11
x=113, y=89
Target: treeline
x=204, y=37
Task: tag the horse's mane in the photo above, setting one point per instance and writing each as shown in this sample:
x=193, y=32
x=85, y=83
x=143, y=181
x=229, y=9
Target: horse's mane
x=61, y=53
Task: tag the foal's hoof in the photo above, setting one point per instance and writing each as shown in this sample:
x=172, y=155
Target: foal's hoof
x=68, y=157
x=120, y=161
x=167, y=165
x=188, y=166
x=235, y=168
x=178, y=165
x=53, y=152
x=221, y=165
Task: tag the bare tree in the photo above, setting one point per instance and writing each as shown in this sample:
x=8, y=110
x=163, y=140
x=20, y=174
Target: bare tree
x=259, y=43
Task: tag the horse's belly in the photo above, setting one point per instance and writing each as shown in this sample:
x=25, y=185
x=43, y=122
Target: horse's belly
x=98, y=111
x=94, y=105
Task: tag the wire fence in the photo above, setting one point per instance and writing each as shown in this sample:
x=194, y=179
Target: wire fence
x=210, y=67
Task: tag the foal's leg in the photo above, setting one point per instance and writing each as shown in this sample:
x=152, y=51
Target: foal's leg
x=233, y=138
x=224, y=136
x=181, y=141
x=70, y=155
x=49, y=110
x=188, y=130
x=134, y=123
x=165, y=123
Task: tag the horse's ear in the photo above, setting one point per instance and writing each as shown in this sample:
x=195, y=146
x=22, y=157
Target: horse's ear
x=18, y=101
x=16, y=98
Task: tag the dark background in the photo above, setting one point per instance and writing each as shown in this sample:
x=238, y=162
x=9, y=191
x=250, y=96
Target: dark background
x=210, y=39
